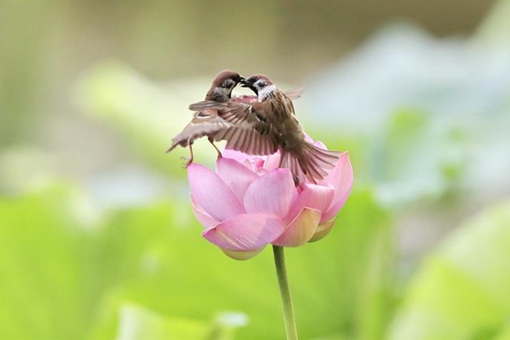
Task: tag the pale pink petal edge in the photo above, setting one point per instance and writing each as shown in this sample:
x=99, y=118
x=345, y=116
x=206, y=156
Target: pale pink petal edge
x=245, y=232
x=300, y=230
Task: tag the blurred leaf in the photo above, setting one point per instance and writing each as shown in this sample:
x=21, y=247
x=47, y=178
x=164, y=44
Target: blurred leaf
x=24, y=168
x=414, y=158
x=189, y=278
x=331, y=337
x=446, y=125
x=43, y=286
x=410, y=158
x=463, y=290
x=504, y=334
x=145, y=114
x=63, y=272
x=137, y=323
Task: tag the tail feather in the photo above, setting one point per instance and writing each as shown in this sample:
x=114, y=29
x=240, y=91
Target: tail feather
x=310, y=162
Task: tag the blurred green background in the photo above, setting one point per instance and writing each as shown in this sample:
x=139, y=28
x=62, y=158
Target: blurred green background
x=97, y=238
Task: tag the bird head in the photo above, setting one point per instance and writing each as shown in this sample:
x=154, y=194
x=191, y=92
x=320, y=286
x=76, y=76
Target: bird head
x=223, y=84
x=260, y=84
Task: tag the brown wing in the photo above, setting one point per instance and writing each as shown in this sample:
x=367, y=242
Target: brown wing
x=294, y=93
x=253, y=130
x=241, y=115
x=248, y=141
x=204, y=123
x=250, y=128
x=249, y=132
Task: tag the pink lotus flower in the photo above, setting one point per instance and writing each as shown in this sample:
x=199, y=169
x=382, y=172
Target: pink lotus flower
x=249, y=202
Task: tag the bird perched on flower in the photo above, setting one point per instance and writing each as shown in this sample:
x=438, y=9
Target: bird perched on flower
x=207, y=122
x=270, y=125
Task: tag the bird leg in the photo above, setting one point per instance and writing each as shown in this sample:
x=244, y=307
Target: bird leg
x=189, y=159
x=217, y=150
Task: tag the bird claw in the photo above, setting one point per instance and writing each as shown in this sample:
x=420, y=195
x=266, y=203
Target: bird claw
x=188, y=160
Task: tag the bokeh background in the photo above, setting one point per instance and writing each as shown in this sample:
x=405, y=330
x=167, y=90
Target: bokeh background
x=98, y=241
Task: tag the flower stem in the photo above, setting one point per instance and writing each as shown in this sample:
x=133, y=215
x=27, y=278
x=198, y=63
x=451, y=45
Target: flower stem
x=288, y=310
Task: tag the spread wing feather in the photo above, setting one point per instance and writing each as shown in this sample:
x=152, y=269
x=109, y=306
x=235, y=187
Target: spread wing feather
x=235, y=113
x=294, y=93
x=249, y=130
x=249, y=141
x=204, y=123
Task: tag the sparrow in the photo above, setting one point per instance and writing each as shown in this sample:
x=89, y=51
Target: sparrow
x=207, y=122
x=270, y=125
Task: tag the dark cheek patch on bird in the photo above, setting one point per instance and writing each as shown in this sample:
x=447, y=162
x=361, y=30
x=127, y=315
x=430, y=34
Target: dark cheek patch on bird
x=261, y=84
x=219, y=95
x=228, y=84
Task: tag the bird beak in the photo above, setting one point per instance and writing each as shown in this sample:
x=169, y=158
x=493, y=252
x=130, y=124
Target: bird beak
x=246, y=83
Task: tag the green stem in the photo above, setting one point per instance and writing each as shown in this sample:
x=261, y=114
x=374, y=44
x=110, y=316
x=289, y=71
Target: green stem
x=288, y=311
